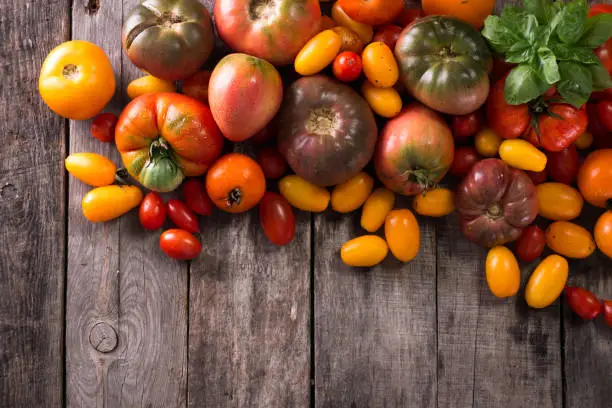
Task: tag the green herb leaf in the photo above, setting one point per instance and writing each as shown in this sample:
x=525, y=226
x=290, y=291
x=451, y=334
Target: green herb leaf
x=500, y=38
x=575, y=53
x=576, y=83
x=601, y=77
x=523, y=85
x=520, y=52
x=519, y=21
x=539, y=8
x=571, y=26
x=547, y=65
x=597, y=30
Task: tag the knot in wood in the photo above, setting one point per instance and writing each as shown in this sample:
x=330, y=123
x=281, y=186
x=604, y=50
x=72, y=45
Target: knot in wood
x=103, y=337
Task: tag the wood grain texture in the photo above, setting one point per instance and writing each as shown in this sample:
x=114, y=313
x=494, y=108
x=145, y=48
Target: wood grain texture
x=32, y=207
x=126, y=301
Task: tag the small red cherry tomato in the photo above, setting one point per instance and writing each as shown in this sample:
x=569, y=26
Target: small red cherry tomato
x=276, y=218
x=347, y=66
x=152, y=211
x=272, y=163
x=182, y=216
x=465, y=126
x=194, y=195
x=583, y=302
x=409, y=15
x=388, y=34
x=263, y=136
x=465, y=158
x=103, y=127
x=607, y=311
x=179, y=244
x=604, y=109
x=602, y=139
x=530, y=244
x=537, y=177
x=563, y=166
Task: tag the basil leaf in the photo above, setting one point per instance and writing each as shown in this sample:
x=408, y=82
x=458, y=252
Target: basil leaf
x=500, y=38
x=597, y=30
x=547, y=65
x=565, y=52
x=523, y=85
x=519, y=21
x=601, y=77
x=539, y=8
x=576, y=83
x=571, y=26
x=519, y=53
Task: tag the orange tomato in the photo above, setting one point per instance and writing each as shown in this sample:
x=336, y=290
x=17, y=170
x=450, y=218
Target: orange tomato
x=502, y=272
x=76, y=80
x=318, y=53
x=365, y=251
x=365, y=32
x=546, y=282
x=91, y=168
x=196, y=86
x=473, y=11
x=372, y=12
x=149, y=84
x=109, y=202
x=558, y=202
x=235, y=183
x=595, y=178
x=379, y=65
x=603, y=233
x=570, y=240
x=403, y=234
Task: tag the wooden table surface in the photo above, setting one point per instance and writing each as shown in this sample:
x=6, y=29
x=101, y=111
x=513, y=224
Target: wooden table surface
x=95, y=315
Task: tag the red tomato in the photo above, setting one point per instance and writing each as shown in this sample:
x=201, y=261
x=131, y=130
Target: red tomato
x=103, y=127
x=388, y=34
x=182, y=216
x=409, y=15
x=272, y=163
x=465, y=126
x=276, y=218
x=465, y=158
x=179, y=244
x=602, y=139
x=583, y=302
x=537, y=177
x=347, y=66
x=604, y=111
x=152, y=211
x=194, y=195
x=563, y=166
x=607, y=310
x=604, y=53
x=530, y=244
x=600, y=9
x=263, y=136
x=500, y=68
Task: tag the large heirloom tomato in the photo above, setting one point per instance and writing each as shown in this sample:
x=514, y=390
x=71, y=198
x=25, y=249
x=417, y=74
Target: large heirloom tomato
x=415, y=150
x=274, y=30
x=495, y=202
x=372, y=12
x=327, y=132
x=170, y=39
x=445, y=64
x=164, y=137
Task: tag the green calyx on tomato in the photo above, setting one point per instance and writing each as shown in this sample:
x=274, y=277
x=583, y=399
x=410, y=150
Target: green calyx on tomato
x=552, y=43
x=160, y=171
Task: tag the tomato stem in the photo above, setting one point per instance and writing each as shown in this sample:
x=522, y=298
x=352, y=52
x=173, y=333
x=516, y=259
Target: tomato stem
x=234, y=197
x=121, y=176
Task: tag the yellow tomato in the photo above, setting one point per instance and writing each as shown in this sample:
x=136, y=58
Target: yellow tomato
x=546, y=282
x=351, y=194
x=364, y=251
x=522, y=155
x=434, y=203
x=364, y=31
x=487, y=142
x=318, y=53
x=147, y=85
x=76, y=80
x=91, y=168
x=558, y=201
x=109, y=202
x=386, y=102
x=379, y=65
x=584, y=141
x=376, y=208
x=570, y=240
x=403, y=234
x=503, y=272
x=603, y=233
x=303, y=195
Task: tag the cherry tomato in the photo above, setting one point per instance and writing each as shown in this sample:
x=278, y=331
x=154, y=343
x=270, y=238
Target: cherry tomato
x=379, y=65
x=91, y=168
x=376, y=208
x=465, y=158
x=182, y=216
x=600, y=9
x=403, y=234
x=595, y=178
x=584, y=141
x=103, y=127
x=347, y=66
x=537, y=177
x=194, y=195
x=487, y=142
x=276, y=218
x=179, y=244
x=409, y=15
x=434, y=203
x=522, y=155
x=351, y=194
x=607, y=312
x=584, y=303
x=559, y=202
x=563, y=166
x=603, y=233
x=546, y=282
x=317, y=53
x=147, y=85
x=502, y=272
x=570, y=240
x=152, y=211
x=388, y=34
x=109, y=202
x=263, y=136
x=465, y=126
x=385, y=102
x=365, y=251
x=530, y=244
x=602, y=139
x=604, y=111
x=304, y=195
x=272, y=163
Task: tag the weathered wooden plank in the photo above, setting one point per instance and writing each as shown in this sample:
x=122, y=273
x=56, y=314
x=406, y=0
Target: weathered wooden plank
x=32, y=207
x=126, y=341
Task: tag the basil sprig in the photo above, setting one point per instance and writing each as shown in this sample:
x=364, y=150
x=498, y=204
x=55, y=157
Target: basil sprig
x=552, y=43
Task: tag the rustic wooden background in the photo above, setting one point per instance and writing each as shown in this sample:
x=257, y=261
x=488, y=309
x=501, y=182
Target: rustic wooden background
x=95, y=315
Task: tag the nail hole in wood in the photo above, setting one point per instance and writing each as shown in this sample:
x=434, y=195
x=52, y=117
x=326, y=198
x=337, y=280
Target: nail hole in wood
x=92, y=6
